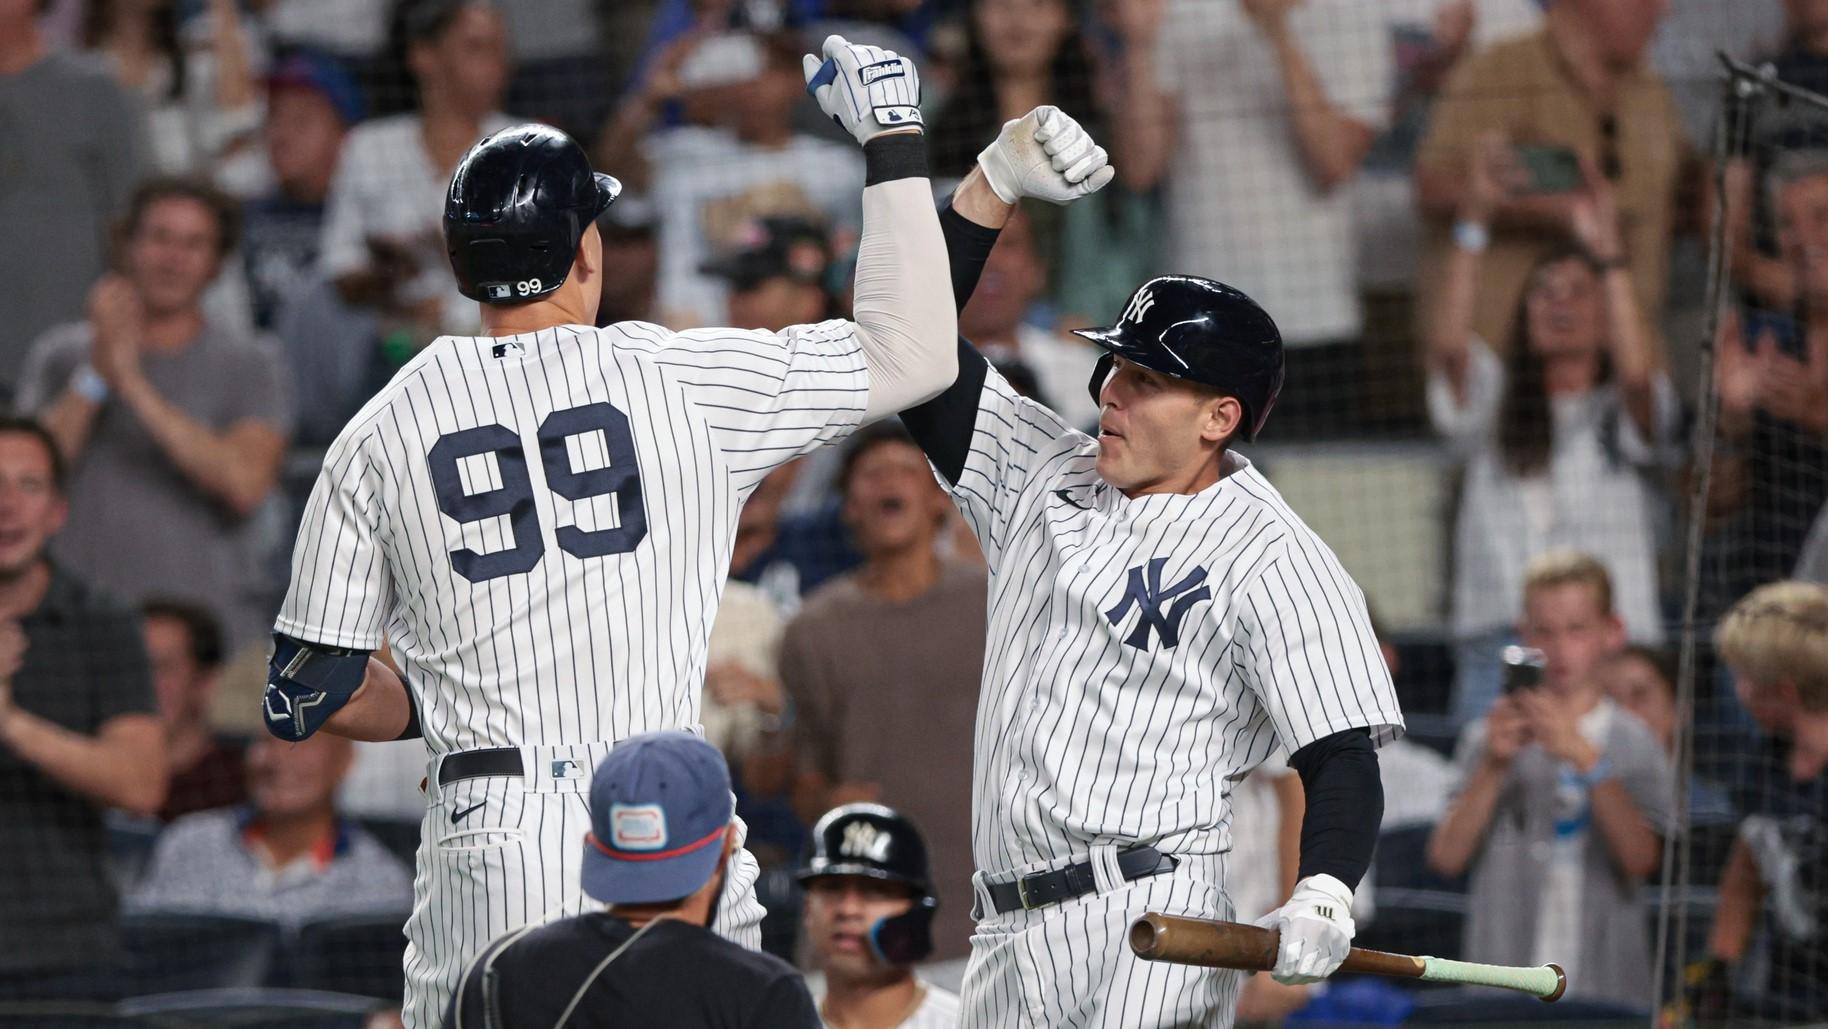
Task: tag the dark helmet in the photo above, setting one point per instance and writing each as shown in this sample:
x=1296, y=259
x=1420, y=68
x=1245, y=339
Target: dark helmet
x=519, y=203
x=877, y=843
x=1202, y=331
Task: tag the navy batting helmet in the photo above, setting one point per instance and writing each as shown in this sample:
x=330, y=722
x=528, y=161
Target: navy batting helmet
x=1202, y=331
x=877, y=843
x=519, y=203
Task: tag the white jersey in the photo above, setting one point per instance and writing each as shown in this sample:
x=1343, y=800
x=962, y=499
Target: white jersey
x=938, y=1007
x=1145, y=653
x=540, y=525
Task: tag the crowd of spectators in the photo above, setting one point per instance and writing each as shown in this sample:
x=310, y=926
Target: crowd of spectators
x=224, y=237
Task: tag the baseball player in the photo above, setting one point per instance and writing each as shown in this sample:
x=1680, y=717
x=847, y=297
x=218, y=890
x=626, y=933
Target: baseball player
x=869, y=918
x=1160, y=622
x=540, y=520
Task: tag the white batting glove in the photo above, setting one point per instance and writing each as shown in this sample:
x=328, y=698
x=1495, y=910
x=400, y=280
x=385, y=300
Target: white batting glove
x=865, y=89
x=1316, y=927
x=1045, y=154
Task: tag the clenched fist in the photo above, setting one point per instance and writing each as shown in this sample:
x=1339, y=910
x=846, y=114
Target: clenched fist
x=1044, y=154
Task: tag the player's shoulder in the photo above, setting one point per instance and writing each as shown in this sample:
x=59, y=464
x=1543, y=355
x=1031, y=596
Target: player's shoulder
x=939, y=1009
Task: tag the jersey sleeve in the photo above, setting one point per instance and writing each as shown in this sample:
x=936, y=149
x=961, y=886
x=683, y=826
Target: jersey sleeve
x=771, y=396
x=984, y=440
x=1309, y=653
x=341, y=589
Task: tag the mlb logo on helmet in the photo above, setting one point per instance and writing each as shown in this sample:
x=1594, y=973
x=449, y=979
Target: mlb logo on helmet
x=497, y=292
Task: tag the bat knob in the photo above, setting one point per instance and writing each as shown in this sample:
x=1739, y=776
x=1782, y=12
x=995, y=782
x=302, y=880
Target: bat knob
x=1561, y=984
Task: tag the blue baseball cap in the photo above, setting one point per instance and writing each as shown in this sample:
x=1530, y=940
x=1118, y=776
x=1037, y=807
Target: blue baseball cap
x=320, y=74
x=660, y=805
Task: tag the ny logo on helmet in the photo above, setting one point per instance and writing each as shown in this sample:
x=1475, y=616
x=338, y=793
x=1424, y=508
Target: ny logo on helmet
x=863, y=840
x=1145, y=593
x=1139, y=306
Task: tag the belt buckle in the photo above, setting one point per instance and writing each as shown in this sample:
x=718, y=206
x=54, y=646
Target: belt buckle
x=1022, y=892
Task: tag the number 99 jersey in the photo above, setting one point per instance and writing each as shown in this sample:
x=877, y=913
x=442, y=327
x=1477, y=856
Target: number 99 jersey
x=541, y=525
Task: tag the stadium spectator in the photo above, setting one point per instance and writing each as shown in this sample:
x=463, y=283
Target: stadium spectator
x=184, y=644
x=1254, y=116
x=174, y=428
x=1641, y=680
x=924, y=620
x=196, y=78
x=995, y=320
x=631, y=261
x=330, y=345
x=775, y=268
x=739, y=158
x=1758, y=263
x=649, y=959
x=561, y=75
x=1770, y=475
x=868, y=919
x=61, y=194
x=1019, y=54
x=1557, y=437
x=78, y=735
x=286, y=857
x=1774, y=892
x=383, y=242
x=1580, y=86
x=1562, y=796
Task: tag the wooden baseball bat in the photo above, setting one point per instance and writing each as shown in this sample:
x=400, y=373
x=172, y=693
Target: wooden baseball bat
x=1216, y=944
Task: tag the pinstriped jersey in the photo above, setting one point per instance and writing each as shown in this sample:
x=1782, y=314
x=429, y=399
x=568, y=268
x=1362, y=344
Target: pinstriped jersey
x=540, y=525
x=1144, y=654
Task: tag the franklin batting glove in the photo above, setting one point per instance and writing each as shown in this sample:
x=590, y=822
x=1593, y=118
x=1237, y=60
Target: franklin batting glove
x=1047, y=155
x=1316, y=927
x=865, y=89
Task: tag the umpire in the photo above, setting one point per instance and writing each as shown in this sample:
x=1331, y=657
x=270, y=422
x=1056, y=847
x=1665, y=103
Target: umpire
x=660, y=814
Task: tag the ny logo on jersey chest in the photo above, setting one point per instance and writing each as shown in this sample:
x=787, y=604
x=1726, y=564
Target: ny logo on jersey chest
x=1145, y=593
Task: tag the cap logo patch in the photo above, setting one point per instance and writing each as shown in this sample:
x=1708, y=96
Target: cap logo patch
x=865, y=841
x=1139, y=306
x=637, y=826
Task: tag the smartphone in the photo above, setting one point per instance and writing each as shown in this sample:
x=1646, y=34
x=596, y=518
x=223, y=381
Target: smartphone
x=1522, y=668
x=1550, y=169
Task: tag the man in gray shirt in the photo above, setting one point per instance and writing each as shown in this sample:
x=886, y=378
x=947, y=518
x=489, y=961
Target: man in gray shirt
x=174, y=428
x=75, y=145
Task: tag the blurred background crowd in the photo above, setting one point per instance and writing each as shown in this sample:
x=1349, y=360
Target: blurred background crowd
x=1482, y=226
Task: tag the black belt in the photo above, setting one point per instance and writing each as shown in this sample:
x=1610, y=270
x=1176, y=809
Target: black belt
x=478, y=764
x=1044, y=888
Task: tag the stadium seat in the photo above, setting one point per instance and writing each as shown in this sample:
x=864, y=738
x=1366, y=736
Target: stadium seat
x=169, y=951
x=1474, y=1006
x=360, y=955
x=287, y=1009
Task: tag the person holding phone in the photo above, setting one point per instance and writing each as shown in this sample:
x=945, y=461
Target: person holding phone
x=1556, y=436
x=1578, y=91
x=1562, y=799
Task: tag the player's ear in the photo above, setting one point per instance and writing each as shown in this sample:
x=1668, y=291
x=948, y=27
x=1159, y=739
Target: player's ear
x=1222, y=417
x=588, y=263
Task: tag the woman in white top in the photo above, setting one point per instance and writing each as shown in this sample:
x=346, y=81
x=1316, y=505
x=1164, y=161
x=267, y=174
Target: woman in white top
x=1562, y=439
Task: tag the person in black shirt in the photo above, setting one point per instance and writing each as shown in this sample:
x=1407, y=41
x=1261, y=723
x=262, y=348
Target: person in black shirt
x=662, y=831
x=78, y=734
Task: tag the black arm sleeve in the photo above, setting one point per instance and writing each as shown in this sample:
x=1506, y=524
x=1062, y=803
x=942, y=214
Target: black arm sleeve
x=412, y=730
x=968, y=246
x=943, y=426
x=1345, y=805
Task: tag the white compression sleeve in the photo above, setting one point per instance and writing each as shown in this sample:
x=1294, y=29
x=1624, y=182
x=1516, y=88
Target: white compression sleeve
x=906, y=321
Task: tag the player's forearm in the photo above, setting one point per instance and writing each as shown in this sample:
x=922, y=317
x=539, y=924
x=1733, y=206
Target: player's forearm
x=123, y=768
x=238, y=467
x=906, y=319
x=379, y=711
x=978, y=204
x=970, y=237
x=1462, y=830
x=1331, y=144
x=1344, y=801
x=1741, y=894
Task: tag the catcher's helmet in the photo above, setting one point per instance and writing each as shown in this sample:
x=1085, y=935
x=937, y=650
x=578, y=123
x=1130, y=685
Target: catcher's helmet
x=1202, y=331
x=519, y=202
x=877, y=843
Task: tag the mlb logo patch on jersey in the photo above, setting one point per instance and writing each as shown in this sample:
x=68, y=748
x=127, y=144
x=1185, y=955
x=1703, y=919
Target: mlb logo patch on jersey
x=637, y=826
